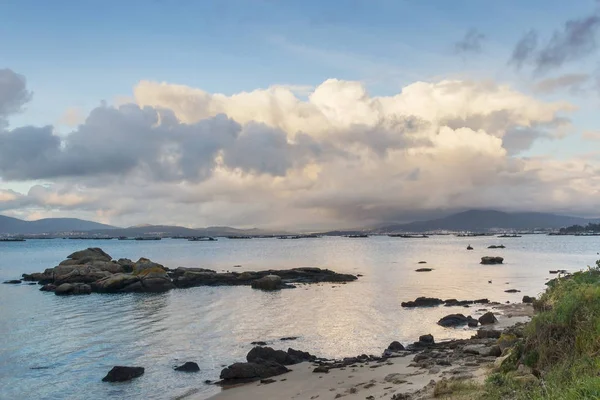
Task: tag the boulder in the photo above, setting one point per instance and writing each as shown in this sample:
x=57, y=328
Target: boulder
x=144, y=264
x=300, y=356
x=395, y=346
x=90, y=254
x=469, y=247
x=13, y=282
x=188, y=367
x=251, y=371
x=121, y=374
x=114, y=283
x=422, y=302
x=426, y=339
x=269, y=282
x=126, y=264
x=48, y=287
x=472, y=322
x=528, y=300
x=424, y=270
x=453, y=320
x=487, y=319
x=321, y=370
x=491, y=260
x=269, y=354
x=78, y=274
x=512, y=291
x=72, y=288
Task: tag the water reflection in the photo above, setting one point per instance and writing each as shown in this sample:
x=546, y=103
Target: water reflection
x=78, y=339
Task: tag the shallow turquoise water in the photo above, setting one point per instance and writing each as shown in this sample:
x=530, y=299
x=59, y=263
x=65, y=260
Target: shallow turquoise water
x=60, y=347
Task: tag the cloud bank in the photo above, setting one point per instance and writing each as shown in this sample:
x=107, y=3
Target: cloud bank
x=337, y=158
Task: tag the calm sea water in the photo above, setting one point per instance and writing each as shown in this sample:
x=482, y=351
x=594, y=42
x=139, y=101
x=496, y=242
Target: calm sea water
x=60, y=347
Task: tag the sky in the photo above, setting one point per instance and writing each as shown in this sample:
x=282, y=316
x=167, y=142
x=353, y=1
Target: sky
x=289, y=114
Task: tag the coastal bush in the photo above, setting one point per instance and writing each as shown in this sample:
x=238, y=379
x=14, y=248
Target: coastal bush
x=561, y=345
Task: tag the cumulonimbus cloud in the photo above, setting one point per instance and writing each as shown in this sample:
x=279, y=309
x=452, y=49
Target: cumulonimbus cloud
x=271, y=158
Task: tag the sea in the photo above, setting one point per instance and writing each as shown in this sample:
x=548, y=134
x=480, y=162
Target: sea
x=55, y=347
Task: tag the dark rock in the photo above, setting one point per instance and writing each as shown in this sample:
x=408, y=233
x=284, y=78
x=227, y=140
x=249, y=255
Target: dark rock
x=528, y=300
x=422, y=262
x=289, y=338
x=424, y=270
x=72, y=289
x=121, y=374
x=497, y=247
x=269, y=354
x=492, y=260
x=269, y=282
x=188, y=367
x=487, y=318
x=488, y=334
x=90, y=254
x=395, y=346
x=48, y=287
x=494, y=351
x=453, y=320
x=259, y=343
x=321, y=369
x=252, y=370
x=300, y=356
x=13, y=282
x=559, y=271
x=426, y=339
x=267, y=381
x=512, y=291
x=422, y=302
x=469, y=247
x=472, y=322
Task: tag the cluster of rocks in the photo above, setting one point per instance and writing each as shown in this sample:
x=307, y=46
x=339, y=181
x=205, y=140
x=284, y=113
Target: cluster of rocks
x=454, y=320
x=262, y=363
x=121, y=373
x=491, y=260
x=434, y=301
x=93, y=270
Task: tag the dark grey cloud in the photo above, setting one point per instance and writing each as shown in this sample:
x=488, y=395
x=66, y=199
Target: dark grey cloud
x=524, y=50
x=13, y=94
x=519, y=139
x=576, y=40
x=571, y=82
x=470, y=43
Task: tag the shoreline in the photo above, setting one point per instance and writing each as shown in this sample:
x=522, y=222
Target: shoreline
x=408, y=374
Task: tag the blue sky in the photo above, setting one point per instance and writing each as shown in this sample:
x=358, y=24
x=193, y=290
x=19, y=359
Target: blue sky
x=78, y=54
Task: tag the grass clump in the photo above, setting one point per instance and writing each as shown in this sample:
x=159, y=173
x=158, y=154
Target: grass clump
x=561, y=345
x=455, y=389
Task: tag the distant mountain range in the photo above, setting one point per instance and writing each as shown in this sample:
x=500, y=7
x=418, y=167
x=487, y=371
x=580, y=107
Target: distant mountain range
x=485, y=220
x=15, y=226
x=473, y=220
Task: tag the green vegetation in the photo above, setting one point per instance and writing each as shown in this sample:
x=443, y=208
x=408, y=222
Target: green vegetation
x=589, y=228
x=559, y=356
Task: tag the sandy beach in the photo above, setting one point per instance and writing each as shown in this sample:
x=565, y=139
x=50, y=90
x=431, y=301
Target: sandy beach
x=406, y=375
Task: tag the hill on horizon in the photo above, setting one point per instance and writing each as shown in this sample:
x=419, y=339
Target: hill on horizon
x=485, y=220
x=15, y=226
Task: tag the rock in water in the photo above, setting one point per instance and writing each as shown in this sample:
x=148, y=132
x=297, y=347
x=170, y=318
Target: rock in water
x=395, y=346
x=13, y=282
x=512, y=291
x=72, y=288
x=491, y=260
x=269, y=354
x=121, y=374
x=188, y=367
x=469, y=247
x=423, y=302
x=426, y=339
x=487, y=318
x=453, y=320
x=269, y=282
x=424, y=270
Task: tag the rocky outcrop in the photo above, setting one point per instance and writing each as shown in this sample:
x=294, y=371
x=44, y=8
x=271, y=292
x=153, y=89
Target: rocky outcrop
x=121, y=374
x=423, y=302
x=528, y=299
x=395, y=346
x=491, y=260
x=249, y=371
x=95, y=268
x=432, y=302
x=269, y=282
x=487, y=319
x=188, y=367
x=72, y=288
x=453, y=320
